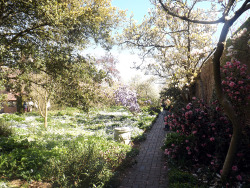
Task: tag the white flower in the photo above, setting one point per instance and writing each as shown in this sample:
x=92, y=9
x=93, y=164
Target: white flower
x=244, y=30
x=230, y=48
x=206, y=49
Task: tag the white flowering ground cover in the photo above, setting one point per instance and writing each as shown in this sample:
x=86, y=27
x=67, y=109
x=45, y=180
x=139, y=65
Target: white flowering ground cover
x=77, y=148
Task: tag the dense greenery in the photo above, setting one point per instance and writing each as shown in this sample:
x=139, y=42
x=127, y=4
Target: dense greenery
x=77, y=151
x=40, y=59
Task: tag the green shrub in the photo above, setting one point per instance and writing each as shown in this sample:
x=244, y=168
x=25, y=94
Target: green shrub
x=13, y=117
x=176, y=176
x=5, y=128
x=180, y=179
x=19, y=159
x=82, y=166
x=33, y=113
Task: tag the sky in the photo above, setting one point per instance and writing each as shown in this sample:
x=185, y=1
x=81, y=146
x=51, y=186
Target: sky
x=138, y=8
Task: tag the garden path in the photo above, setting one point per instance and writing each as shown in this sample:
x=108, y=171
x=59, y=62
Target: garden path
x=149, y=171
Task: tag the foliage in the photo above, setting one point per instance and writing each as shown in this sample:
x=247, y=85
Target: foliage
x=146, y=91
x=175, y=95
x=5, y=128
x=78, y=150
x=201, y=138
x=179, y=178
x=39, y=45
x=127, y=98
x=85, y=164
x=2, y=96
x=13, y=117
x=235, y=84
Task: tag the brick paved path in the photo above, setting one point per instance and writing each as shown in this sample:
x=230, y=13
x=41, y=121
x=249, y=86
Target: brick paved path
x=149, y=172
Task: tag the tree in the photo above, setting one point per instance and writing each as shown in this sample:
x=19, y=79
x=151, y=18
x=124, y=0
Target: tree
x=146, y=89
x=228, y=16
x=40, y=39
x=170, y=48
x=108, y=63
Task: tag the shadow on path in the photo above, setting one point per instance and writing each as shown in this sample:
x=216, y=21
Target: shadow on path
x=149, y=172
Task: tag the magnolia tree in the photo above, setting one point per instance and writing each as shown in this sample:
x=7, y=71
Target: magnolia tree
x=229, y=12
x=171, y=48
x=127, y=98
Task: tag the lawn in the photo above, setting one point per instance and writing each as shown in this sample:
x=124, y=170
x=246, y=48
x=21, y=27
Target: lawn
x=77, y=149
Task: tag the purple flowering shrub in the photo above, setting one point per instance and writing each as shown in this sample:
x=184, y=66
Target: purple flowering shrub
x=127, y=98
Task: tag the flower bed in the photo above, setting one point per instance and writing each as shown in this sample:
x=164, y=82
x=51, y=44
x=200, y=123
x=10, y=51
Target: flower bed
x=77, y=149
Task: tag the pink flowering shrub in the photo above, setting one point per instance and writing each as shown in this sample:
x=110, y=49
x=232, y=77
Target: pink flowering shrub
x=236, y=84
x=201, y=135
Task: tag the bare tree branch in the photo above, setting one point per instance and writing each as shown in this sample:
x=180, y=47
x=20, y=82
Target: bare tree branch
x=147, y=46
x=220, y=20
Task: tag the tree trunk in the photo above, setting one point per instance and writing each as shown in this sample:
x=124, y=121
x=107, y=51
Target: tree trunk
x=232, y=150
x=227, y=105
x=45, y=112
x=45, y=120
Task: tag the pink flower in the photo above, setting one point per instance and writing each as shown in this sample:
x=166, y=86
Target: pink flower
x=231, y=84
x=189, y=153
x=218, y=108
x=220, y=171
x=239, y=177
x=234, y=168
x=188, y=106
x=224, y=82
x=194, y=98
x=208, y=155
x=240, y=82
x=243, y=69
x=212, y=139
x=186, y=141
x=240, y=154
x=194, y=132
x=236, y=63
x=173, y=145
x=187, y=148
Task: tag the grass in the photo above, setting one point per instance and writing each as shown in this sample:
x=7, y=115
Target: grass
x=77, y=149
